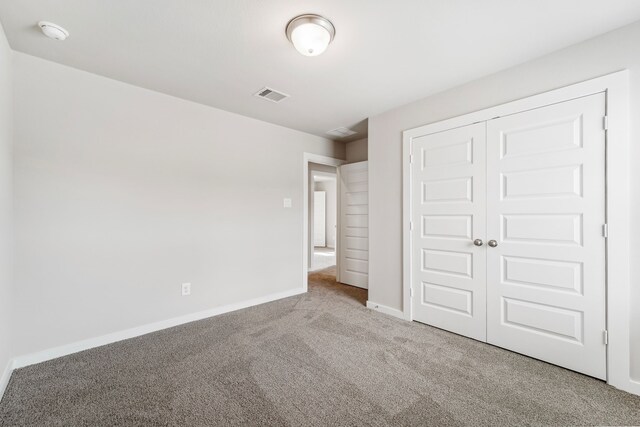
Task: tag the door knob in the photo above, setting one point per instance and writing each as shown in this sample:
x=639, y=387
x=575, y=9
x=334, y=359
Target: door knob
x=478, y=242
x=492, y=243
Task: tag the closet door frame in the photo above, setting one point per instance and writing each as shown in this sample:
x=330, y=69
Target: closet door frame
x=616, y=88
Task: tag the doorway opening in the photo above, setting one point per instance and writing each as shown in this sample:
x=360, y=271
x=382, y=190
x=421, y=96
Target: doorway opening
x=312, y=164
x=335, y=238
x=323, y=217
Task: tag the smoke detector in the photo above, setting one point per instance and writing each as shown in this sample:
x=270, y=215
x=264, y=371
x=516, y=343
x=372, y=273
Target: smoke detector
x=341, y=132
x=271, y=94
x=53, y=31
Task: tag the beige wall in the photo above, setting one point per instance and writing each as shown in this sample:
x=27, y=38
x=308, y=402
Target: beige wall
x=6, y=202
x=357, y=151
x=605, y=54
x=122, y=194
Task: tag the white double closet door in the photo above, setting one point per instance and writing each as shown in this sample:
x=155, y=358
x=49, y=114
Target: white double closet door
x=508, y=241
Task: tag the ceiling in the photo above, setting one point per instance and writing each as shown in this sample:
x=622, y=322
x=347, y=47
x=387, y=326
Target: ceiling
x=386, y=53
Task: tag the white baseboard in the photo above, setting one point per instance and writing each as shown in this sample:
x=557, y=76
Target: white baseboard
x=53, y=353
x=630, y=386
x=386, y=310
x=4, y=379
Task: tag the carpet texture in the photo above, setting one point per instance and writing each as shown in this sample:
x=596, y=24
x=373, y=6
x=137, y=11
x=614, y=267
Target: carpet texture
x=317, y=359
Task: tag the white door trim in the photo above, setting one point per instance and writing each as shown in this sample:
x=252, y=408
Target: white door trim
x=322, y=160
x=616, y=87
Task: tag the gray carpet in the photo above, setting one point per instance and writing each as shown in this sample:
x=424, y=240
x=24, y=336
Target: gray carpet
x=316, y=359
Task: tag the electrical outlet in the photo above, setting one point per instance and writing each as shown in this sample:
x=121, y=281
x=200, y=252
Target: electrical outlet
x=186, y=289
x=286, y=203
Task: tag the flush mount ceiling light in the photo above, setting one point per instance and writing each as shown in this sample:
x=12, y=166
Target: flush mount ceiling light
x=53, y=31
x=310, y=34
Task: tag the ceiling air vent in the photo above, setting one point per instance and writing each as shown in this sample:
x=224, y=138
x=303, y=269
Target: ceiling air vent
x=271, y=94
x=341, y=132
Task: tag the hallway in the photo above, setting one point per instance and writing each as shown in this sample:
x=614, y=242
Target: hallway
x=323, y=258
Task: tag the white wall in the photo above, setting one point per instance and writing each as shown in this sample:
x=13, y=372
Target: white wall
x=6, y=203
x=608, y=53
x=122, y=194
x=357, y=151
x=329, y=187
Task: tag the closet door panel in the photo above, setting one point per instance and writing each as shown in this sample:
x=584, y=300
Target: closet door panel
x=448, y=212
x=546, y=210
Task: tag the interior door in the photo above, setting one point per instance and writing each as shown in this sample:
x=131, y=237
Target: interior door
x=546, y=210
x=353, y=245
x=319, y=219
x=448, y=213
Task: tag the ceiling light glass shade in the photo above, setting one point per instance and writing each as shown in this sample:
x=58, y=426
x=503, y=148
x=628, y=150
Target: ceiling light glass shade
x=310, y=34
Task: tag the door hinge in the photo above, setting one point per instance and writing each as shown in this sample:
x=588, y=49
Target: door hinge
x=410, y=225
x=605, y=122
x=410, y=158
x=605, y=230
x=411, y=292
x=605, y=336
